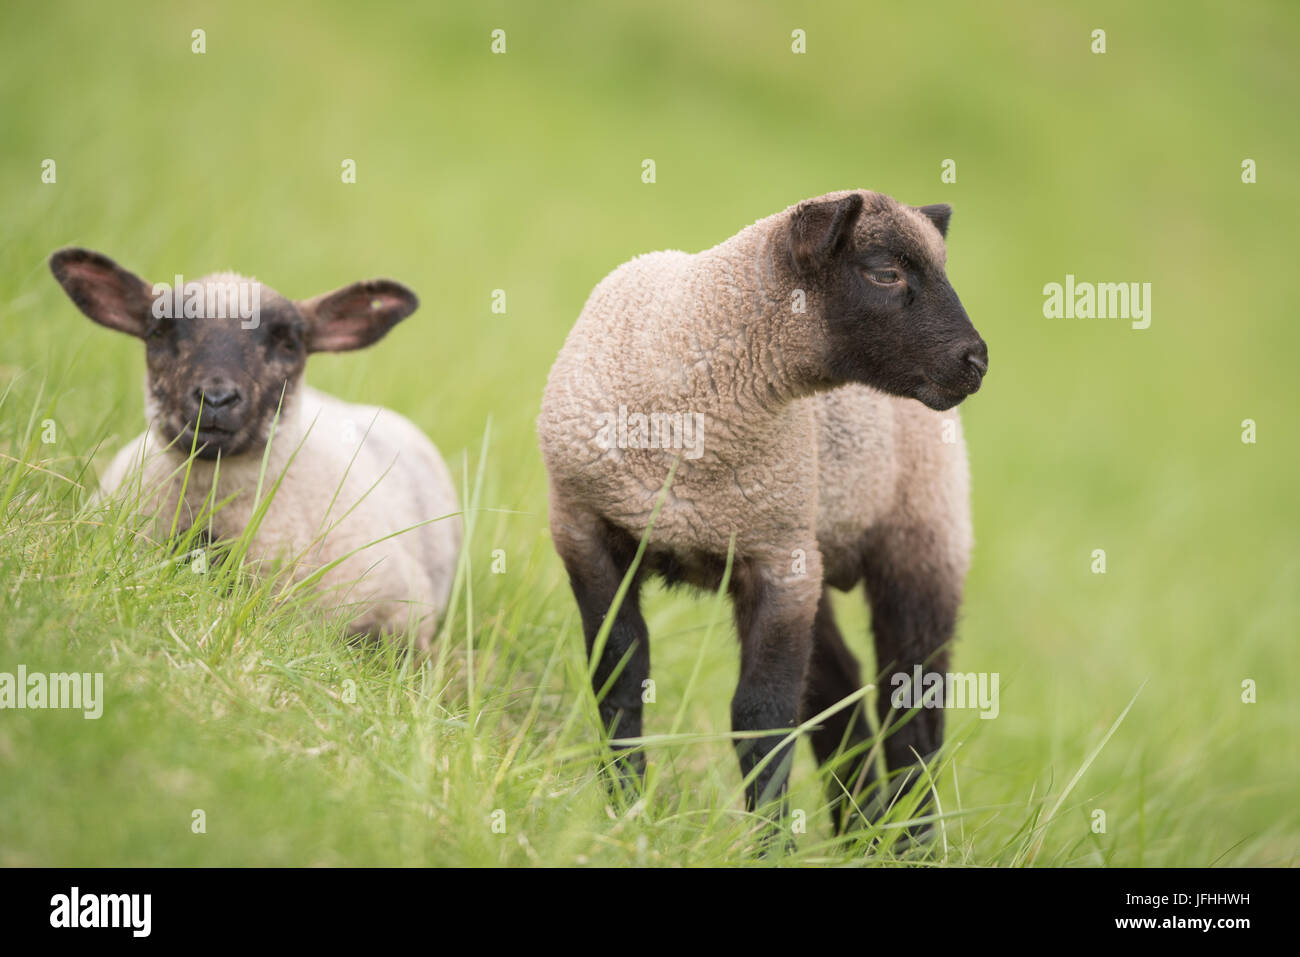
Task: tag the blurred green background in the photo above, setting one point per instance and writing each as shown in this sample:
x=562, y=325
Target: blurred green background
x=522, y=172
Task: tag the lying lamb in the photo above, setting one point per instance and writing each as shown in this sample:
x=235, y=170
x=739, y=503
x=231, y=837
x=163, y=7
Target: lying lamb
x=217, y=374
x=813, y=353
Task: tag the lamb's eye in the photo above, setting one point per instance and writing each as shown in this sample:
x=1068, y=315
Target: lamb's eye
x=884, y=277
x=282, y=336
x=158, y=329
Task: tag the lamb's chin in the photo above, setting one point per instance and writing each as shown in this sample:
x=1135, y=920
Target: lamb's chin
x=939, y=399
x=210, y=444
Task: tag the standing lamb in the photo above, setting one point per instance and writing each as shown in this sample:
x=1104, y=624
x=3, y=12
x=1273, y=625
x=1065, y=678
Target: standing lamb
x=359, y=485
x=781, y=370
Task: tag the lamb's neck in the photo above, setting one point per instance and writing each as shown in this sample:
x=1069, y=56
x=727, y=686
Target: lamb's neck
x=760, y=327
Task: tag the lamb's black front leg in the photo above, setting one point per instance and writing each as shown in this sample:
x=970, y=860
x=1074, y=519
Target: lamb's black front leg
x=774, y=619
x=597, y=556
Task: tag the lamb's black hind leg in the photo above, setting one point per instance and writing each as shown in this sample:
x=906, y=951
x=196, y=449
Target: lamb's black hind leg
x=597, y=556
x=840, y=742
x=914, y=583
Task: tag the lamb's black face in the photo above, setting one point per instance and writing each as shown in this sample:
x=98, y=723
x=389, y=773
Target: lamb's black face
x=225, y=352
x=216, y=383
x=893, y=320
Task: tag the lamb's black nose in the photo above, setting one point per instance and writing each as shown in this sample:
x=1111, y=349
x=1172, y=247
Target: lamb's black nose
x=978, y=359
x=217, y=396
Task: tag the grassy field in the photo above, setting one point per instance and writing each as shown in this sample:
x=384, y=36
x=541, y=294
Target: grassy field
x=522, y=172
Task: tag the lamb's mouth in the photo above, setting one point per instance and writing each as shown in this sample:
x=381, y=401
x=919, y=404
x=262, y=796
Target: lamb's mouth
x=209, y=441
x=938, y=396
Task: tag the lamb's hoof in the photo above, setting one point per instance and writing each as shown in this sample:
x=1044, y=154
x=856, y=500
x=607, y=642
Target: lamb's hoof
x=914, y=841
x=625, y=776
x=872, y=807
x=776, y=842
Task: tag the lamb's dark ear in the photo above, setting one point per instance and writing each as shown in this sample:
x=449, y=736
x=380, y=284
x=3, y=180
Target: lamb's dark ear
x=103, y=290
x=820, y=231
x=939, y=214
x=356, y=315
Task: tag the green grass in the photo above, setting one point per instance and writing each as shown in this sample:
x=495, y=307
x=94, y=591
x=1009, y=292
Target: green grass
x=522, y=172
